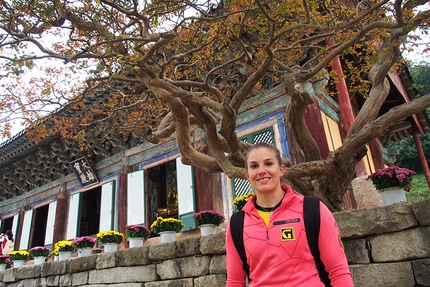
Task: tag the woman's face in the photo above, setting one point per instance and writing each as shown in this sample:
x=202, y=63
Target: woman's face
x=264, y=172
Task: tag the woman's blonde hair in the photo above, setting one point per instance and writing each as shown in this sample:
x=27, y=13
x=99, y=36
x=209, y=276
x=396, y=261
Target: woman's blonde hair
x=263, y=145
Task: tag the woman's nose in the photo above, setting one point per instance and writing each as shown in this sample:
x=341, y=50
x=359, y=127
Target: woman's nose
x=261, y=170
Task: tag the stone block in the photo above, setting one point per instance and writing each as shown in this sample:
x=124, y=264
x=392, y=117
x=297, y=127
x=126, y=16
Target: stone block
x=162, y=251
x=9, y=275
x=210, y=280
x=213, y=244
x=363, y=222
x=53, y=281
x=386, y=274
x=54, y=268
x=65, y=280
x=182, y=268
x=105, y=260
x=421, y=210
x=26, y=283
x=402, y=245
x=218, y=264
x=356, y=251
x=188, y=247
x=187, y=282
x=81, y=264
x=133, y=256
x=80, y=279
x=365, y=193
x=422, y=271
x=27, y=271
x=123, y=275
x=40, y=282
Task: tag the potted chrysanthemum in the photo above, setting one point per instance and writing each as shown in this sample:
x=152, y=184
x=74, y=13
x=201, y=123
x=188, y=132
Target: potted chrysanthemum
x=392, y=182
x=136, y=234
x=208, y=220
x=96, y=250
x=110, y=239
x=55, y=252
x=240, y=201
x=166, y=228
x=84, y=245
x=39, y=253
x=18, y=257
x=65, y=249
x=4, y=260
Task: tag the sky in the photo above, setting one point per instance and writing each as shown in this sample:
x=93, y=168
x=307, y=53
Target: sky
x=414, y=57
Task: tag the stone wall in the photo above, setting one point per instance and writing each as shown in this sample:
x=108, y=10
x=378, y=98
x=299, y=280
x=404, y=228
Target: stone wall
x=388, y=246
x=385, y=246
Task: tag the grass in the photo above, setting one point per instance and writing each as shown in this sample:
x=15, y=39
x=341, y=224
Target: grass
x=420, y=189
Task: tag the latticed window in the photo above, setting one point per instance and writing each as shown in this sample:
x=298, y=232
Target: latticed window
x=242, y=186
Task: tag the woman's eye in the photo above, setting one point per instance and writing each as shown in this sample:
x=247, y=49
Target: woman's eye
x=269, y=163
x=253, y=166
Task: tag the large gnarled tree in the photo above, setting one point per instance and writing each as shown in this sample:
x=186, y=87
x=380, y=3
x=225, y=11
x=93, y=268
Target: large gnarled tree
x=191, y=64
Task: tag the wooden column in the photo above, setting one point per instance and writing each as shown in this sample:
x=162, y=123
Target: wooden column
x=421, y=155
x=61, y=214
x=17, y=236
x=122, y=206
x=376, y=151
x=347, y=113
x=316, y=128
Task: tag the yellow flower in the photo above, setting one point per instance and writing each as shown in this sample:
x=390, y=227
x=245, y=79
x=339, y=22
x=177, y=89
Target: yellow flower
x=166, y=224
x=19, y=252
x=110, y=236
x=18, y=255
x=242, y=200
x=63, y=245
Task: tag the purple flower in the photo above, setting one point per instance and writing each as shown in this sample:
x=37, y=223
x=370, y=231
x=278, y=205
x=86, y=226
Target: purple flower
x=391, y=177
x=83, y=242
x=208, y=217
x=137, y=231
x=4, y=259
x=39, y=251
x=96, y=250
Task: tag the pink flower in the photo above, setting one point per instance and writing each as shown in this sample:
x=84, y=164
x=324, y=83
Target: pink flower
x=83, y=242
x=391, y=177
x=208, y=217
x=137, y=231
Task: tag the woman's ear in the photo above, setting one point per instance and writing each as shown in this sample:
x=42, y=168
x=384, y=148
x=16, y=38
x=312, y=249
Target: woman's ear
x=282, y=170
x=246, y=174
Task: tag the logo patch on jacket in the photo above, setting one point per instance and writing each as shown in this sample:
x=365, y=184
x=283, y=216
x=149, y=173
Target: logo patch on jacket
x=288, y=234
x=340, y=241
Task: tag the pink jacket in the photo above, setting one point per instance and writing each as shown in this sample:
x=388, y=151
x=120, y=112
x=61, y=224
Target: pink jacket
x=280, y=255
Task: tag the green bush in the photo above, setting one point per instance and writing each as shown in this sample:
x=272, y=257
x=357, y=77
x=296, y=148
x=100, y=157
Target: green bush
x=420, y=189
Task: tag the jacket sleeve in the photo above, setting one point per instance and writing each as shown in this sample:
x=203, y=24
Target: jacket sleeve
x=331, y=250
x=235, y=273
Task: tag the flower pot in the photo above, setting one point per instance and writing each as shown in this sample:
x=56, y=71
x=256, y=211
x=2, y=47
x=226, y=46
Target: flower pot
x=39, y=259
x=56, y=258
x=82, y=252
x=167, y=236
x=110, y=247
x=207, y=229
x=18, y=263
x=393, y=194
x=64, y=255
x=135, y=242
x=2, y=266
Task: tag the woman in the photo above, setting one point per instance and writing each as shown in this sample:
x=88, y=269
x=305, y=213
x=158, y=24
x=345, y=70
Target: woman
x=7, y=244
x=277, y=250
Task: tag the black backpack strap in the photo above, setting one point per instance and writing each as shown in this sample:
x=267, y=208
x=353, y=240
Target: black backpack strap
x=311, y=214
x=236, y=229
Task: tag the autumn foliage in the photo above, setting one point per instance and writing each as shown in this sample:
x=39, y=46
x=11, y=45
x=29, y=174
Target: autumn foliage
x=149, y=70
